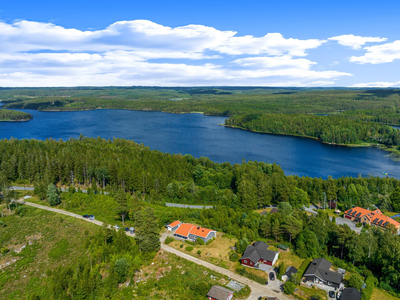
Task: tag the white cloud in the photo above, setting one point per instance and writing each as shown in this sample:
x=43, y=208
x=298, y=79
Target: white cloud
x=377, y=84
x=44, y=54
x=379, y=54
x=355, y=41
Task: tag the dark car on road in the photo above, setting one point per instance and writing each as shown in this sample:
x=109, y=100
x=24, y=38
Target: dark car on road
x=126, y=228
x=86, y=216
x=272, y=276
x=332, y=294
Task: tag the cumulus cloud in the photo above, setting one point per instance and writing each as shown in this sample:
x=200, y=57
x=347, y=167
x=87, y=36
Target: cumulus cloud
x=355, y=41
x=124, y=53
x=379, y=54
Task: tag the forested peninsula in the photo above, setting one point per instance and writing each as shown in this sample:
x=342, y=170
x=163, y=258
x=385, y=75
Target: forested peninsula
x=12, y=115
x=335, y=129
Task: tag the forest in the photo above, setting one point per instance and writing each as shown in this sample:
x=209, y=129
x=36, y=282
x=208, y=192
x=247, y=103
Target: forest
x=13, y=115
x=140, y=181
x=336, y=129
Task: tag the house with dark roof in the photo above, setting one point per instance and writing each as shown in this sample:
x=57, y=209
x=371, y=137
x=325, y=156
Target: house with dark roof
x=217, y=292
x=350, y=294
x=319, y=272
x=374, y=218
x=274, y=210
x=258, y=253
x=192, y=232
x=289, y=271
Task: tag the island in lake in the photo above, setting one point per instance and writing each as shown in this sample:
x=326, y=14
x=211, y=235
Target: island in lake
x=13, y=115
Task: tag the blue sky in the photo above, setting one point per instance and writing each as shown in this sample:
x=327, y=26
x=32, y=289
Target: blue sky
x=190, y=43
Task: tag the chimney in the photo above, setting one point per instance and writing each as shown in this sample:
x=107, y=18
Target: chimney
x=198, y=227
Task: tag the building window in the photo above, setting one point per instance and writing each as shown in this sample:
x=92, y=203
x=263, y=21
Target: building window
x=245, y=261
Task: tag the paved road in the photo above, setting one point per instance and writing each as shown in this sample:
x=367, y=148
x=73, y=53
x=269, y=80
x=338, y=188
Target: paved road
x=257, y=289
x=29, y=188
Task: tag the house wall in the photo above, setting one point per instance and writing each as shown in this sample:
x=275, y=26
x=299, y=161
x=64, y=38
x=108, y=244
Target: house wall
x=180, y=236
x=247, y=262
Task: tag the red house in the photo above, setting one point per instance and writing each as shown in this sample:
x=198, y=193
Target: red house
x=258, y=253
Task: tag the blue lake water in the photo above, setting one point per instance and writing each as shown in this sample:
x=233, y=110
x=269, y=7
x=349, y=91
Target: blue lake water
x=201, y=136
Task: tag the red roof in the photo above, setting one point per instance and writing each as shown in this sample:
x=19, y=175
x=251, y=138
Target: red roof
x=376, y=217
x=173, y=224
x=185, y=229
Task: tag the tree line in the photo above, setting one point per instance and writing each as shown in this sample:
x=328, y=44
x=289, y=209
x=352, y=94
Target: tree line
x=13, y=115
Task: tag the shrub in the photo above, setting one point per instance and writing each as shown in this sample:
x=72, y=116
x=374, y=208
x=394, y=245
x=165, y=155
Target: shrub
x=355, y=281
x=190, y=242
x=370, y=283
x=181, y=246
x=169, y=240
x=234, y=257
x=200, y=241
x=121, y=268
x=4, y=250
x=358, y=225
x=304, y=266
x=210, y=241
x=289, y=287
x=189, y=248
x=315, y=297
x=199, y=252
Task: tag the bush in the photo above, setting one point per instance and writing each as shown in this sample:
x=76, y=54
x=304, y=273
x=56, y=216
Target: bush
x=199, y=252
x=234, y=257
x=121, y=268
x=358, y=225
x=169, y=240
x=210, y=241
x=304, y=266
x=189, y=248
x=200, y=241
x=370, y=283
x=190, y=242
x=289, y=287
x=355, y=281
x=315, y=297
x=181, y=246
x=4, y=250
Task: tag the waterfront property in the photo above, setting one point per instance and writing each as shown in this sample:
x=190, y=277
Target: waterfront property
x=373, y=218
x=319, y=273
x=192, y=232
x=257, y=254
x=217, y=292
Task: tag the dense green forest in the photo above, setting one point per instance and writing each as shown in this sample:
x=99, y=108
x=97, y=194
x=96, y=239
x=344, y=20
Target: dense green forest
x=329, y=129
x=140, y=180
x=222, y=101
x=159, y=177
x=12, y=115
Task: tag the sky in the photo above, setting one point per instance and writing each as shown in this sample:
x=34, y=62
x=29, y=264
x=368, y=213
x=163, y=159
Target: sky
x=200, y=43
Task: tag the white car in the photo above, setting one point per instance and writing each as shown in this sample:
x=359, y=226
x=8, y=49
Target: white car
x=117, y=227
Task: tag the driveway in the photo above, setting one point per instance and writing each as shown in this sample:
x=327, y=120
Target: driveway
x=341, y=221
x=257, y=289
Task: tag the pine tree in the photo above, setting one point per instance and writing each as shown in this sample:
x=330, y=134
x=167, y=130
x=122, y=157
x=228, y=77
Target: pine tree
x=147, y=231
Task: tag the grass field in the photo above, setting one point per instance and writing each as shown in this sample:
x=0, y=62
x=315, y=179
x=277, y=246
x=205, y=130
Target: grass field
x=306, y=292
x=378, y=294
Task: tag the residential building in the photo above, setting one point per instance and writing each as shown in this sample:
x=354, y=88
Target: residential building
x=217, y=292
x=258, y=253
x=193, y=232
x=173, y=226
x=350, y=294
x=319, y=272
x=289, y=271
x=373, y=218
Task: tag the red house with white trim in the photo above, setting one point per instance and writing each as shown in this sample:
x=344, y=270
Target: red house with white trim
x=258, y=253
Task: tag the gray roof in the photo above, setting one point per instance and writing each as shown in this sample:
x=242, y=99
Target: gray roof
x=259, y=250
x=320, y=268
x=218, y=292
x=274, y=210
x=350, y=294
x=290, y=270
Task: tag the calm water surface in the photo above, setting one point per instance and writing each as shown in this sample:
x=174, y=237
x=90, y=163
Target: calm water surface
x=201, y=136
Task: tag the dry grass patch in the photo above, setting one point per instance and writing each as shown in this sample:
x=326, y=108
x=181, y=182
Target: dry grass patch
x=289, y=259
x=378, y=294
x=307, y=292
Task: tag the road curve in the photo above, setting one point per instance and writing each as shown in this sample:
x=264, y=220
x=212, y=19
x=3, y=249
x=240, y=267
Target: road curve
x=257, y=289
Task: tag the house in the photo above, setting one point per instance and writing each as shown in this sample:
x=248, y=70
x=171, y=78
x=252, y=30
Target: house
x=217, y=292
x=173, y=226
x=319, y=272
x=373, y=218
x=258, y=253
x=289, y=271
x=274, y=210
x=192, y=232
x=350, y=294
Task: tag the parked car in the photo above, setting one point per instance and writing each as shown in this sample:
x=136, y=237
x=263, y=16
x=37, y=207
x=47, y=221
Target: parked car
x=132, y=230
x=117, y=227
x=272, y=276
x=126, y=228
x=91, y=217
x=332, y=294
x=266, y=283
x=86, y=216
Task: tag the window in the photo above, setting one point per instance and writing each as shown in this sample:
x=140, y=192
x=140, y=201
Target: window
x=245, y=261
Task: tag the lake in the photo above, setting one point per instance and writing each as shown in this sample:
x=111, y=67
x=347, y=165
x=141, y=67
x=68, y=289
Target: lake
x=201, y=135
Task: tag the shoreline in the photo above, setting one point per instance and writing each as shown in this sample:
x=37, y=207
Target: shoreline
x=394, y=153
